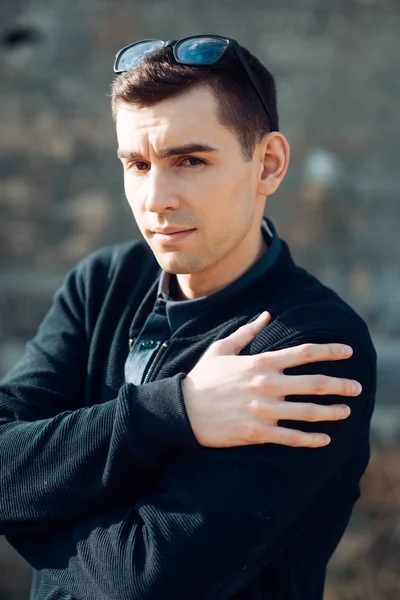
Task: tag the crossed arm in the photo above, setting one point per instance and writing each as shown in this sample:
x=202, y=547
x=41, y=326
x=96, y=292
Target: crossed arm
x=214, y=520
x=61, y=461
x=92, y=535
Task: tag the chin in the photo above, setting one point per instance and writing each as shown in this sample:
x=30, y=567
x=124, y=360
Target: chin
x=179, y=265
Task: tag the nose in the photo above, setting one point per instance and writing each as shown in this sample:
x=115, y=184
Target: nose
x=159, y=196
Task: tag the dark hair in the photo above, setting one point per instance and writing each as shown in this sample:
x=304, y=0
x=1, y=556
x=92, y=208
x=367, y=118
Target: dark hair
x=159, y=76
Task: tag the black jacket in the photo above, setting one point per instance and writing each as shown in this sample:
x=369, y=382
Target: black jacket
x=104, y=489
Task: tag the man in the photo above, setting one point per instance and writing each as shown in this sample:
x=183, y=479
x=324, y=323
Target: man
x=177, y=468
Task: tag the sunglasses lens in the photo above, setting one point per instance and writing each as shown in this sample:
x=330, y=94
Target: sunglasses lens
x=200, y=51
x=131, y=57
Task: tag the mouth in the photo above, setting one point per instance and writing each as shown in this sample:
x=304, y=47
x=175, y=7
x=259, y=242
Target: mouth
x=171, y=234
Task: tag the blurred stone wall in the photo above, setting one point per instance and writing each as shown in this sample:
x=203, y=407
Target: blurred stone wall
x=61, y=192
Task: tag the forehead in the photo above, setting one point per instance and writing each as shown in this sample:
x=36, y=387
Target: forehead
x=173, y=121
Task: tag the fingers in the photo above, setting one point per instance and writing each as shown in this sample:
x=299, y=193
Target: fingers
x=295, y=438
x=239, y=339
x=316, y=385
x=310, y=353
x=306, y=411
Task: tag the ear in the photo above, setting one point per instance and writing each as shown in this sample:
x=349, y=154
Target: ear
x=274, y=155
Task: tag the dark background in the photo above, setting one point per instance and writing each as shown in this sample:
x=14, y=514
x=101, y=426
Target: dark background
x=61, y=193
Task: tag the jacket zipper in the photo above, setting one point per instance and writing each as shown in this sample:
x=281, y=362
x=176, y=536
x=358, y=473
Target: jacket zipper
x=154, y=362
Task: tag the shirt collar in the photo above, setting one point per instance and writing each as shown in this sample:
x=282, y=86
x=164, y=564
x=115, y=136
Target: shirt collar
x=180, y=311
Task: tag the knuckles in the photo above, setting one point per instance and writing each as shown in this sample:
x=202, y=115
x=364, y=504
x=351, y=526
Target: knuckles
x=320, y=384
x=347, y=388
x=254, y=433
x=334, y=351
x=256, y=408
x=258, y=383
x=291, y=438
x=218, y=346
x=311, y=351
x=310, y=412
x=257, y=363
x=306, y=350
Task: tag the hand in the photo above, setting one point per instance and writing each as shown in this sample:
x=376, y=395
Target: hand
x=238, y=400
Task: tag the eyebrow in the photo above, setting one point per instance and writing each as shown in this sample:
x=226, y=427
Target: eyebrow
x=189, y=148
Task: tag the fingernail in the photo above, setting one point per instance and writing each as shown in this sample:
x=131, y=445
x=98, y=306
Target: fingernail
x=265, y=315
x=345, y=411
x=356, y=388
x=325, y=440
x=346, y=350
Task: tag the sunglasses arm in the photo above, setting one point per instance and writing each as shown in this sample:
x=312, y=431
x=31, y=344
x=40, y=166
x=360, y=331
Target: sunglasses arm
x=250, y=75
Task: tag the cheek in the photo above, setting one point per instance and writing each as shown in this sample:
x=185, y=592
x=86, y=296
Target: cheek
x=133, y=197
x=133, y=192
x=129, y=187
x=228, y=193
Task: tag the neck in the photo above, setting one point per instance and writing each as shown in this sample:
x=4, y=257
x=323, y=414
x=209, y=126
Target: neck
x=220, y=275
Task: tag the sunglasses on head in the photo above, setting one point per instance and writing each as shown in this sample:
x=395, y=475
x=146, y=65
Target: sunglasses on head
x=197, y=50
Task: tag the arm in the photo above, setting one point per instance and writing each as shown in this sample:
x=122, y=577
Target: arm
x=216, y=519
x=74, y=460
x=58, y=459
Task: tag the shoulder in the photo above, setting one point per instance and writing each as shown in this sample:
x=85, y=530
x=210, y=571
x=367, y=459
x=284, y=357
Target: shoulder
x=129, y=261
x=309, y=311
x=111, y=271
x=317, y=315
x=111, y=259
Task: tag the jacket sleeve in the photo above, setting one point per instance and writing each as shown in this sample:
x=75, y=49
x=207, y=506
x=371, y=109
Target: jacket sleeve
x=217, y=516
x=60, y=460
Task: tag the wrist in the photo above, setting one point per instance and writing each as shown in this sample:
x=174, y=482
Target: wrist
x=158, y=420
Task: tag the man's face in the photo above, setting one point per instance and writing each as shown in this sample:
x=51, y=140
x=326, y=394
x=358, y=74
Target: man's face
x=193, y=194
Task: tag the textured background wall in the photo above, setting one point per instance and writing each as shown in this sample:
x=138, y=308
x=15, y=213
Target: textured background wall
x=61, y=192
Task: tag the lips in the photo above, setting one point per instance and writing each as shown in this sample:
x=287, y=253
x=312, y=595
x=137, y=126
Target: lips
x=171, y=234
x=170, y=230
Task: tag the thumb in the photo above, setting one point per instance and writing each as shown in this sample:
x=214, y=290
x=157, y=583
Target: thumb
x=239, y=339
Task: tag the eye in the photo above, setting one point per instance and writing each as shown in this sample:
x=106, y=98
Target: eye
x=192, y=161
x=137, y=165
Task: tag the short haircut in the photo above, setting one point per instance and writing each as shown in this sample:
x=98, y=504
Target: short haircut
x=159, y=77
